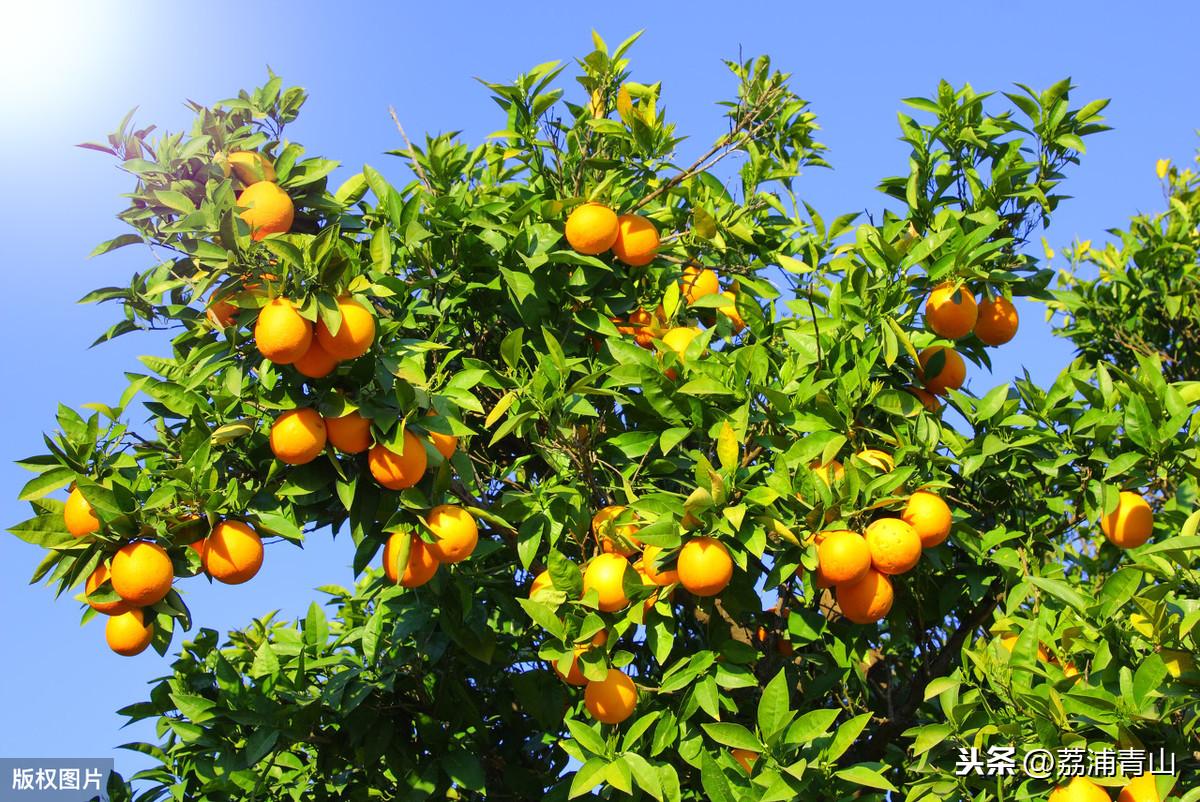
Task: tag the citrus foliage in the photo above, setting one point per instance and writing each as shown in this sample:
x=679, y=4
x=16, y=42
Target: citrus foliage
x=728, y=451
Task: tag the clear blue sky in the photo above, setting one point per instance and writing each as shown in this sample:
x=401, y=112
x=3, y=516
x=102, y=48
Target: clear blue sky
x=71, y=70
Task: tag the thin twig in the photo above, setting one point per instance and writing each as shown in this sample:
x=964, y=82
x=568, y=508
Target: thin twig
x=412, y=153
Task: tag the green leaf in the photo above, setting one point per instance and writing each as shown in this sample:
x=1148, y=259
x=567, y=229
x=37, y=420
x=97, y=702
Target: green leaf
x=733, y=735
x=845, y=737
x=588, y=738
x=712, y=779
x=863, y=775
x=774, y=710
x=727, y=447
x=1062, y=591
x=811, y=726
x=590, y=774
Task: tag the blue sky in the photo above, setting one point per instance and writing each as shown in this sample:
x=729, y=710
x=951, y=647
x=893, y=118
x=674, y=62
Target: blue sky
x=73, y=69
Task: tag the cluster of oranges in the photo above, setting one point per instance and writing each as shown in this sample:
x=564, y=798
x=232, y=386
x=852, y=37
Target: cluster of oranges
x=593, y=228
x=141, y=572
x=951, y=312
x=1081, y=789
x=702, y=566
x=860, y=567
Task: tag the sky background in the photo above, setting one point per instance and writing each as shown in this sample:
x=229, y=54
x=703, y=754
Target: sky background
x=71, y=70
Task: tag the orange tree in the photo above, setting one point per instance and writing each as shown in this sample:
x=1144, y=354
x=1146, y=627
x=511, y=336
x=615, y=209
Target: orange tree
x=654, y=461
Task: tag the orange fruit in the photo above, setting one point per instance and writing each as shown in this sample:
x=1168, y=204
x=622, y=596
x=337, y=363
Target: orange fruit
x=677, y=340
x=1009, y=641
x=895, y=545
x=612, y=699
x=398, y=471
x=455, y=531
x=233, y=552
x=866, y=601
x=280, y=333
x=658, y=576
x=1080, y=789
x=128, y=633
x=927, y=399
x=1140, y=789
x=730, y=311
x=421, y=566
x=819, y=578
x=541, y=582
x=592, y=228
x=350, y=433
x=843, y=556
x=250, y=166
x=1130, y=524
x=141, y=573
x=643, y=327
x=78, y=515
x=950, y=311
x=316, y=363
x=929, y=515
x=268, y=209
x=951, y=374
x=444, y=444
x=575, y=676
x=649, y=601
x=298, y=436
x=94, y=581
x=637, y=240
x=355, y=333
x=615, y=539
x=998, y=320
x=221, y=314
x=745, y=757
x=698, y=282
x=606, y=573
x=704, y=566
x=880, y=460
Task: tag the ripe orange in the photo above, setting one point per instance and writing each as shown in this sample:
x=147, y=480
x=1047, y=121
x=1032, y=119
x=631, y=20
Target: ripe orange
x=541, y=582
x=421, y=566
x=612, y=699
x=951, y=375
x=649, y=601
x=704, y=566
x=677, y=340
x=444, y=444
x=929, y=516
x=94, y=581
x=950, y=311
x=298, y=436
x=658, y=576
x=592, y=228
x=268, y=209
x=745, y=757
x=1140, y=789
x=317, y=363
x=843, y=556
x=350, y=434
x=221, y=314
x=880, y=460
x=78, y=515
x=895, y=546
x=128, y=633
x=355, y=333
x=280, y=333
x=398, y=471
x=606, y=573
x=574, y=675
x=1080, y=789
x=1130, y=524
x=927, y=399
x=998, y=321
x=637, y=240
x=643, y=327
x=233, y=552
x=730, y=311
x=866, y=601
x=698, y=282
x=615, y=539
x=250, y=166
x=141, y=573
x=455, y=531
